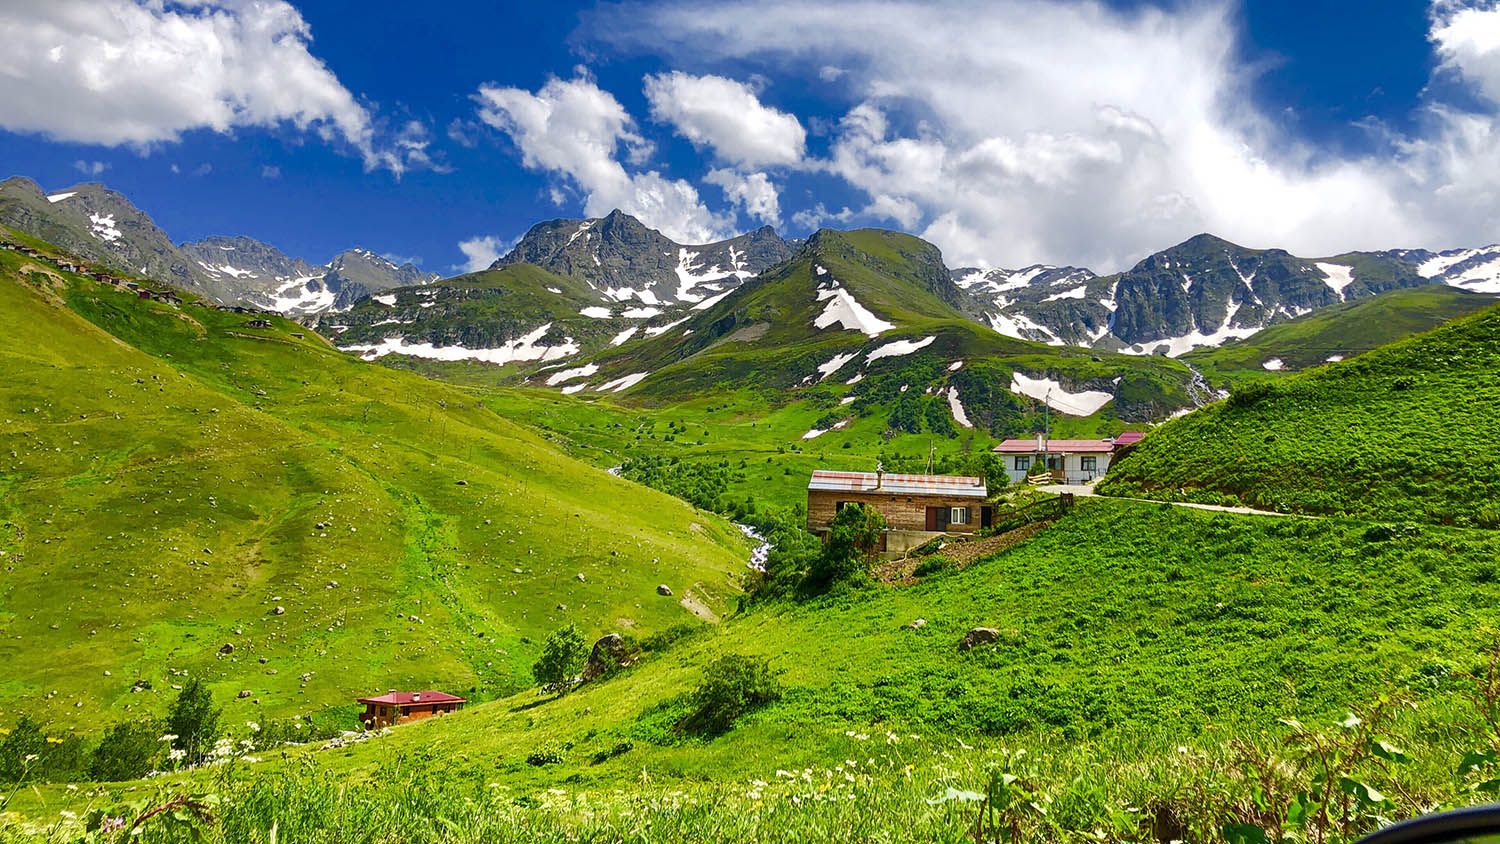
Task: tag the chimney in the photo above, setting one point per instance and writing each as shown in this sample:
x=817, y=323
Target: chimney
x=879, y=473
x=1041, y=444
x=416, y=697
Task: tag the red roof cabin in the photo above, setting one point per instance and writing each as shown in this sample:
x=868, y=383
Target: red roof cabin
x=916, y=508
x=400, y=707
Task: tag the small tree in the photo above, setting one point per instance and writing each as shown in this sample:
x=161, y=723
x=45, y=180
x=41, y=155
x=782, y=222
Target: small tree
x=129, y=751
x=563, y=656
x=194, y=720
x=22, y=750
x=732, y=686
x=853, y=537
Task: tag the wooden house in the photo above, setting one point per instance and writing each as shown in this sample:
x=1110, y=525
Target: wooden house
x=400, y=707
x=916, y=508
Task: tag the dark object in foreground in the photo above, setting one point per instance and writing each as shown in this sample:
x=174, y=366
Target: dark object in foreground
x=1476, y=824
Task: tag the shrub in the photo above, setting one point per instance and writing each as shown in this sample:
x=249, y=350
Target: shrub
x=1251, y=393
x=563, y=656
x=128, y=751
x=194, y=720
x=732, y=686
x=936, y=564
x=545, y=756
x=852, y=539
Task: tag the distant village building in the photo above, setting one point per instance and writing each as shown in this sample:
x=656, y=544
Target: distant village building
x=400, y=707
x=916, y=508
x=1068, y=461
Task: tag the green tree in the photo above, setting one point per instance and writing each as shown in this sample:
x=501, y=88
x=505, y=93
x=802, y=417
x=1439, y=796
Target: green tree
x=563, y=656
x=194, y=720
x=22, y=750
x=128, y=751
x=853, y=537
x=732, y=686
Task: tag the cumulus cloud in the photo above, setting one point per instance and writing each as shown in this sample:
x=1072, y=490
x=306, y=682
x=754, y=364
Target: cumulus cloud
x=481, y=252
x=1023, y=130
x=574, y=129
x=143, y=72
x=727, y=117
x=754, y=193
x=90, y=168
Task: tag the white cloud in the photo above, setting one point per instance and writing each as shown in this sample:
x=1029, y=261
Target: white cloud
x=270, y=171
x=575, y=129
x=90, y=168
x=143, y=72
x=481, y=252
x=818, y=215
x=727, y=117
x=1020, y=130
x=754, y=193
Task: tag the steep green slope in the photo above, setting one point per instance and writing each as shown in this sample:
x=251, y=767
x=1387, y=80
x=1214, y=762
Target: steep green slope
x=1403, y=432
x=171, y=477
x=1339, y=331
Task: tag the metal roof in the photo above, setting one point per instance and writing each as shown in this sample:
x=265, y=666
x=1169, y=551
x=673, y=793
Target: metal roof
x=1128, y=438
x=894, y=484
x=410, y=698
x=1034, y=445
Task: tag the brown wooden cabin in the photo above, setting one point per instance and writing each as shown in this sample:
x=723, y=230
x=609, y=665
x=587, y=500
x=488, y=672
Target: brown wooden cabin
x=915, y=507
x=400, y=707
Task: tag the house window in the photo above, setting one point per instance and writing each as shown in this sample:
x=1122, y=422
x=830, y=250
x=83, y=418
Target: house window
x=839, y=507
x=1090, y=464
x=1023, y=464
x=958, y=516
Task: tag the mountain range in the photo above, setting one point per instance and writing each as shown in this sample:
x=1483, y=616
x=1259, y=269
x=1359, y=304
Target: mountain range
x=603, y=295
x=101, y=225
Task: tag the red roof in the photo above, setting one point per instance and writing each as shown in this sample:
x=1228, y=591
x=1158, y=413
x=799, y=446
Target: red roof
x=1031, y=446
x=1129, y=438
x=411, y=698
x=892, y=483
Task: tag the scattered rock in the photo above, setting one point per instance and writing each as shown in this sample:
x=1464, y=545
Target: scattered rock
x=461, y=482
x=415, y=619
x=979, y=636
x=917, y=624
x=280, y=610
x=244, y=693
x=227, y=648
x=264, y=660
x=664, y=589
x=580, y=577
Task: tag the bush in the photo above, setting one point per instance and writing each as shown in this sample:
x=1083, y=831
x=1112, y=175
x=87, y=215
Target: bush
x=28, y=754
x=732, y=686
x=936, y=564
x=563, y=656
x=852, y=539
x=129, y=751
x=545, y=756
x=194, y=720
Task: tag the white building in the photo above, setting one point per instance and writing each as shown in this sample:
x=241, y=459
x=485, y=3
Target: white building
x=1069, y=461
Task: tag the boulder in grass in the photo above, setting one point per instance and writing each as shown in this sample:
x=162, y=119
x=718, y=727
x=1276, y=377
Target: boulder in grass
x=979, y=636
x=664, y=589
x=608, y=655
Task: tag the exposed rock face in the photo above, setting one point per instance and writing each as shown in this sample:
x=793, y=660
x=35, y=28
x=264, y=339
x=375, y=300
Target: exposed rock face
x=608, y=655
x=1201, y=292
x=979, y=636
x=623, y=260
x=102, y=226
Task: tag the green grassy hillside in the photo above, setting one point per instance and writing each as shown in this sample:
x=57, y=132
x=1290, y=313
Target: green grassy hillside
x=170, y=478
x=1338, y=332
x=1147, y=656
x=1403, y=432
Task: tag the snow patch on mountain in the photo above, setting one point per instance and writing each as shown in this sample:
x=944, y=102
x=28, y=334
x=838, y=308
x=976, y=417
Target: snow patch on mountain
x=834, y=364
x=619, y=385
x=624, y=335
x=1338, y=276
x=305, y=295
x=958, y=409
x=569, y=374
x=1022, y=327
x=525, y=348
x=102, y=226
x=898, y=348
x=844, y=310
x=1075, y=293
x=59, y=197
x=595, y=312
x=1051, y=392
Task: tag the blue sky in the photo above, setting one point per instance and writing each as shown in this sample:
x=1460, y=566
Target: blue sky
x=1008, y=132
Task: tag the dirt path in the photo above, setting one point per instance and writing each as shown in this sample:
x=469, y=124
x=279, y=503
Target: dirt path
x=962, y=552
x=1087, y=491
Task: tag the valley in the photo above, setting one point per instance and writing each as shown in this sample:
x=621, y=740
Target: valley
x=297, y=513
